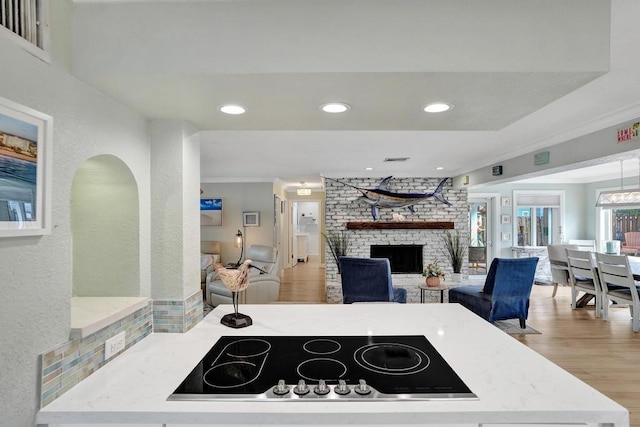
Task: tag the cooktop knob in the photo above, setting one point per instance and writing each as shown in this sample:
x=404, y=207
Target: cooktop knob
x=301, y=388
x=362, y=388
x=321, y=388
x=342, y=388
x=281, y=389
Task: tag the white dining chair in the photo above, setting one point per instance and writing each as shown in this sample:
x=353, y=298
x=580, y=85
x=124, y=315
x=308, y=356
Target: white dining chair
x=584, y=245
x=559, y=265
x=619, y=285
x=584, y=278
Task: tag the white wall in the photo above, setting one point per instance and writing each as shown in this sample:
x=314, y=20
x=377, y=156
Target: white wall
x=576, y=224
x=104, y=229
x=238, y=198
x=175, y=184
x=35, y=272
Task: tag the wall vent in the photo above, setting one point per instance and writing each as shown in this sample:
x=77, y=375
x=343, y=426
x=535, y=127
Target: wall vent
x=23, y=18
x=396, y=159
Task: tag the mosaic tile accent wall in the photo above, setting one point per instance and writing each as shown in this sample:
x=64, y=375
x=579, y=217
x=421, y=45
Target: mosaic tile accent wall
x=67, y=365
x=172, y=316
x=342, y=206
x=193, y=312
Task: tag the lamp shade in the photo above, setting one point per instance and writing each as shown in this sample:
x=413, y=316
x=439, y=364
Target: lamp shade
x=238, y=240
x=619, y=198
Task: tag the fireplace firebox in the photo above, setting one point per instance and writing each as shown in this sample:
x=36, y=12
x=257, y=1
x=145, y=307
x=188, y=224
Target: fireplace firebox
x=403, y=258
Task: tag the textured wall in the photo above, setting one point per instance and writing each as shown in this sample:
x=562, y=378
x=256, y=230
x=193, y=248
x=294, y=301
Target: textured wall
x=36, y=272
x=175, y=177
x=343, y=205
x=105, y=224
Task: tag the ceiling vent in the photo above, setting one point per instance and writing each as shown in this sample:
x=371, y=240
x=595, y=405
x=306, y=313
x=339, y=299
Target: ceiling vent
x=396, y=159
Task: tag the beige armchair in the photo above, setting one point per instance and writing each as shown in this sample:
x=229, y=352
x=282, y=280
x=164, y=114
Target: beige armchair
x=209, y=255
x=264, y=283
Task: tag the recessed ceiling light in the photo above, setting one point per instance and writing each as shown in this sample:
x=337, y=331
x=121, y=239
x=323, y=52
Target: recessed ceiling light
x=437, y=107
x=335, y=107
x=439, y=168
x=368, y=169
x=233, y=109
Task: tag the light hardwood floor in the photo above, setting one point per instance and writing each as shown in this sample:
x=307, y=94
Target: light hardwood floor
x=605, y=355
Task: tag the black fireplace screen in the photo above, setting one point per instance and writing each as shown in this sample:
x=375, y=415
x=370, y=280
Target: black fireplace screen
x=403, y=258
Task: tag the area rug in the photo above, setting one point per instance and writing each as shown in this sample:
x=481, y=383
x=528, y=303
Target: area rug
x=512, y=326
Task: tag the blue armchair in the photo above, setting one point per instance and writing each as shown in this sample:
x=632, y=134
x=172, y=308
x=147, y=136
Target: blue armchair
x=506, y=291
x=368, y=280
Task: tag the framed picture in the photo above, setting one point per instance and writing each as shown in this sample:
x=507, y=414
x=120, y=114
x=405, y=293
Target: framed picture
x=506, y=237
x=505, y=219
x=211, y=212
x=506, y=201
x=25, y=170
x=250, y=219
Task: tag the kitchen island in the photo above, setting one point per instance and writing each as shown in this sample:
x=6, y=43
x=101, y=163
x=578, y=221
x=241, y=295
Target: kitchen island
x=514, y=385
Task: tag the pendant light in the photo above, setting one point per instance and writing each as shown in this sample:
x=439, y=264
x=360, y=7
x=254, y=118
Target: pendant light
x=620, y=198
x=303, y=191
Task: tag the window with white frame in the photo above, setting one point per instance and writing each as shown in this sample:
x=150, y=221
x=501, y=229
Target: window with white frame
x=538, y=217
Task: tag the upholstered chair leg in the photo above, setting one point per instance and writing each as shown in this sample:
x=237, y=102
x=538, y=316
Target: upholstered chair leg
x=523, y=324
x=555, y=289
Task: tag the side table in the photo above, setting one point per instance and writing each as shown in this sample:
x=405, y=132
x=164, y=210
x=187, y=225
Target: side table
x=444, y=286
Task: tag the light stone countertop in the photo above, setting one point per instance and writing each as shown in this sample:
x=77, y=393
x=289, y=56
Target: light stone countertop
x=90, y=314
x=513, y=383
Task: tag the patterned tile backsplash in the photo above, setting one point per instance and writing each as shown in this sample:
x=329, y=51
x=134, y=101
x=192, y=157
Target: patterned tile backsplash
x=177, y=316
x=71, y=362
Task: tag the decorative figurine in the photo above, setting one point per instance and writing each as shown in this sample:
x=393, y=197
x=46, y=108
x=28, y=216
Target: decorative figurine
x=381, y=197
x=236, y=280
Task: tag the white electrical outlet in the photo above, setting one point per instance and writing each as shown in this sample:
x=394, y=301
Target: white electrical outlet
x=114, y=345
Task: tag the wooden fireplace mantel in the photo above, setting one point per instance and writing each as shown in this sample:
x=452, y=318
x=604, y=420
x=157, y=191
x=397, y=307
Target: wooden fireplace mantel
x=400, y=225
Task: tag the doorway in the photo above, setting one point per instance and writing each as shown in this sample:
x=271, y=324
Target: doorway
x=482, y=210
x=305, y=224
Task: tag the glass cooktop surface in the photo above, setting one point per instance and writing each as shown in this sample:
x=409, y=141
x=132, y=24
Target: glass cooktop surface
x=323, y=367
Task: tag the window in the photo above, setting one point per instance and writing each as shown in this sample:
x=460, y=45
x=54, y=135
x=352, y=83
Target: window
x=624, y=220
x=26, y=23
x=613, y=223
x=538, y=217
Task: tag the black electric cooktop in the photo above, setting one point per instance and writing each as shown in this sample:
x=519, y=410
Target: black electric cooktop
x=323, y=368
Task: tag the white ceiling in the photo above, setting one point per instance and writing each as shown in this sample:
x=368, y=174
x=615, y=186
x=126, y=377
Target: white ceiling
x=521, y=74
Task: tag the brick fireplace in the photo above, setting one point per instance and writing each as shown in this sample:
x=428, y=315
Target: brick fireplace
x=342, y=206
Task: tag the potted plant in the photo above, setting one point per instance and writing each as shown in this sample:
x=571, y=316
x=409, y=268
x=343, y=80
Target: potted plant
x=433, y=272
x=456, y=249
x=339, y=243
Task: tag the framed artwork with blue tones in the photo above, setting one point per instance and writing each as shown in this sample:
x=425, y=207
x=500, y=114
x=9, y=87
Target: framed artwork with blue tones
x=211, y=212
x=25, y=170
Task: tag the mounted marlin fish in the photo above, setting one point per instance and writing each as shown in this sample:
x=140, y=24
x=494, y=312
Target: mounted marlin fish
x=381, y=197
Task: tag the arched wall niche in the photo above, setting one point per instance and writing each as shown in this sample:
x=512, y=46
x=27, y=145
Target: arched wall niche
x=105, y=228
